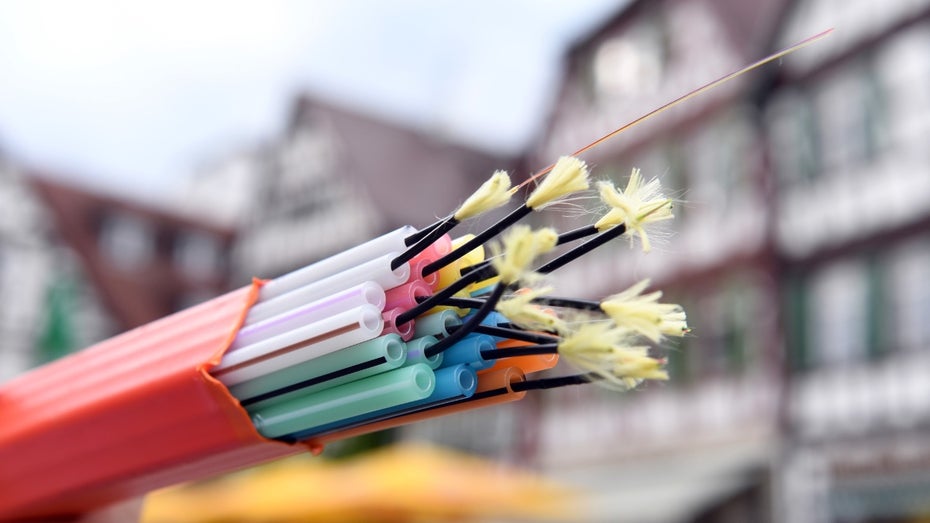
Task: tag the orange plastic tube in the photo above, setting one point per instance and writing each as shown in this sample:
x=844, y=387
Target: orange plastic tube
x=134, y=413
x=495, y=383
x=529, y=364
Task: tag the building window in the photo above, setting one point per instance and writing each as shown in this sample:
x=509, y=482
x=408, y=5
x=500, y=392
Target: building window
x=875, y=124
x=807, y=144
x=737, y=315
x=855, y=116
x=680, y=366
x=795, y=136
x=839, y=321
x=877, y=298
x=633, y=63
x=796, y=319
x=908, y=303
x=198, y=254
x=723, y=321
x=127, y=241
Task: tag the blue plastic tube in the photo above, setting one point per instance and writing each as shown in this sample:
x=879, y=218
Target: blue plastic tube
x=468, y=351
x=494, y=319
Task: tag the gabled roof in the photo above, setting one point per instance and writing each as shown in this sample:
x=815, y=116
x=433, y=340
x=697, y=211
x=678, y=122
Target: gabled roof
x=140, y=294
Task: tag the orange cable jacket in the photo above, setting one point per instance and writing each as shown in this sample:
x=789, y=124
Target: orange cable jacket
x=134, y=413
x=529, y=364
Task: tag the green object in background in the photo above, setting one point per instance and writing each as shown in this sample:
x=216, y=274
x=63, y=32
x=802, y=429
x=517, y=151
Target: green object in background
x=378, y=392
x=56, y=338
x=878, y=340
x=796, y=318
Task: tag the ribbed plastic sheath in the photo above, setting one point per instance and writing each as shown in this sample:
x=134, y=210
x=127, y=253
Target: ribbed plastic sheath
x=137, y=412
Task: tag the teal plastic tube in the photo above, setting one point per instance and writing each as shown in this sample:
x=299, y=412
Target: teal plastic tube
x=459, y=381
x=436, y=324
x=416, y=352
x=371, y=394
x=383, y=353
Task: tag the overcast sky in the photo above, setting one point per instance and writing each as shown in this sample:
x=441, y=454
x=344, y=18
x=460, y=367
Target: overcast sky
x=132, y=96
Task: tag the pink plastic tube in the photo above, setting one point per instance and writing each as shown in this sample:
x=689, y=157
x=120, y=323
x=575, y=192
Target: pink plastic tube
x=438, y=249
x=405, y=331
x=405, y=296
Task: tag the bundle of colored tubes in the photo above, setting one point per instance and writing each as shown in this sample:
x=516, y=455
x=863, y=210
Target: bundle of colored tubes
x=413, y=324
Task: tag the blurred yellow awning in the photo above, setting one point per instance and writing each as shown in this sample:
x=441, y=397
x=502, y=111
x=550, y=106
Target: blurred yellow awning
x=407, y=482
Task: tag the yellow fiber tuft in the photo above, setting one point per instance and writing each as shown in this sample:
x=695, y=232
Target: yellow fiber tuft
x=521, y=246
x=568, y=175
x=492, y=194
x=644, y=314
x=637, y=206
x=602, y=348
x=522, y=312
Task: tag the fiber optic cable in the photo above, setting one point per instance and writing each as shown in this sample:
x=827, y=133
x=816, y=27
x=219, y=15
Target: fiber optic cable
x=319, y=354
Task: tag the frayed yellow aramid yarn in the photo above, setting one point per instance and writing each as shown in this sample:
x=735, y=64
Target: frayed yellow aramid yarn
x=644, y=314
x=492, y=194
x=637, y=206
x=603, y=349
x=521, y=245
x=522, y=312
x=569, y=175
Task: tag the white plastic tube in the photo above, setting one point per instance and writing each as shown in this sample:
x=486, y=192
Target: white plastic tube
x=388, y=243
x=299, y=345
x=367, y=293
x=377, y=270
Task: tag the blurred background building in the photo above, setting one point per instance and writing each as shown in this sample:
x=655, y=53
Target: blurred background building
x=334, y=178
x=800, y=250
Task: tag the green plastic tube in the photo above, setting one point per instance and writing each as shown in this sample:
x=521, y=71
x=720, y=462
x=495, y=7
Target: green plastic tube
x=390, y=348
x=381, y=391
x=436, y=324
x=416, y=352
